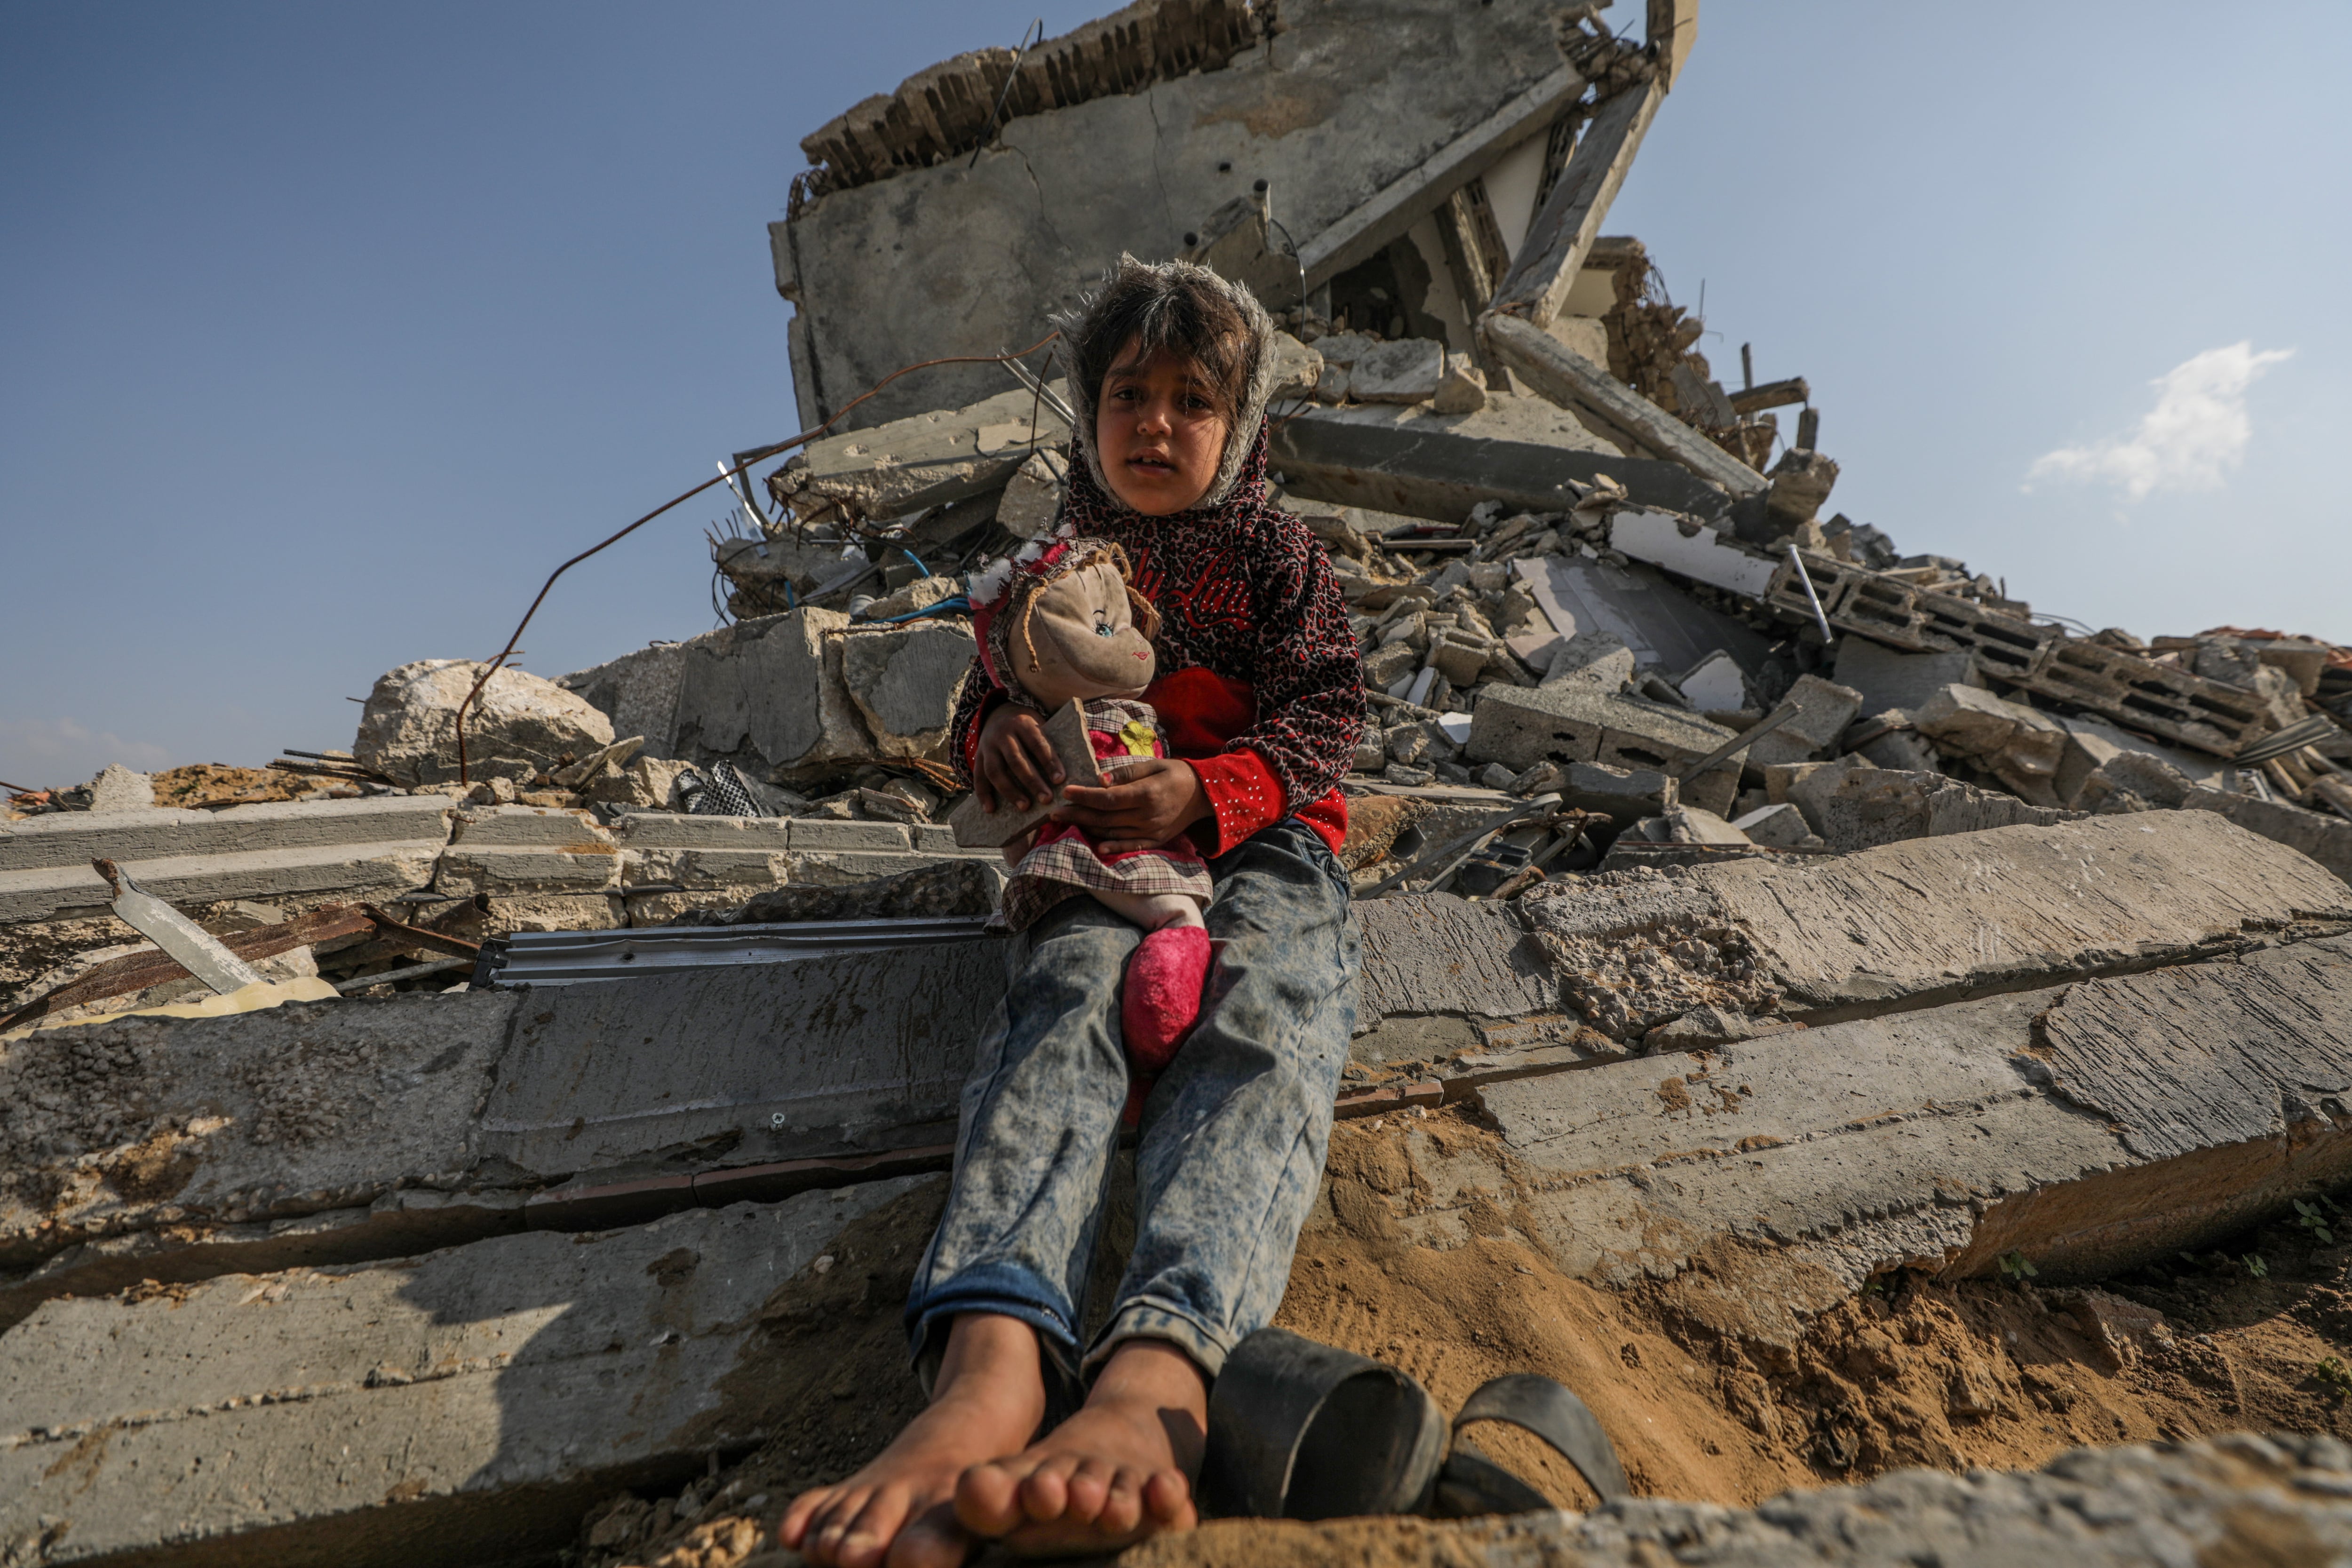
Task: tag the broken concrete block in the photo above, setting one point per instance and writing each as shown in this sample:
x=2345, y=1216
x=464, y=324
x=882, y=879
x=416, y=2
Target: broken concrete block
x=466, y=1406
x=1461, y=389
x=1406, y=371
x=2092, y=743
x=1990, y=1150
x=518, y=727
x=1856, y=808
x=1695, y=825
x=1389, y=663
x=1408, y=744
x=904, y=681
x=1779, y=826
x=1457, y=657
x=72, y=839
x=2019, y=745
x=2326, y=839
x=1033, y=497
x=769, y=693
x=1888, y=740
x=1800, y=483
x=637, y=691
x=1297, y=369
x=1576, y=722
x=117, y=789
x=647, y=782
x=2138, y=775
x=1823, y=708
x=1331, y=383
x=1596, y=658
x=1666, y=629
x=924, y=460
x=1627, y=794
x=513, y=827
x=589, y=862
x=1889, y=677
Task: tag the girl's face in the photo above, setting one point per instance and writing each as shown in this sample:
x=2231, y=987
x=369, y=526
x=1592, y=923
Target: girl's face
x=1159, y=430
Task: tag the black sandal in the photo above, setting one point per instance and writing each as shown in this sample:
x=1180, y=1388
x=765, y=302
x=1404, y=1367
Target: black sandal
x=1302, y=1430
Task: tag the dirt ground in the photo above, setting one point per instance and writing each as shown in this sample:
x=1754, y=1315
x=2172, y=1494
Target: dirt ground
x=1702, y=1404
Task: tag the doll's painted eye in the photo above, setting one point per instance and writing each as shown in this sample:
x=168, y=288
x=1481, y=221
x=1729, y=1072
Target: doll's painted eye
x=1102, y=628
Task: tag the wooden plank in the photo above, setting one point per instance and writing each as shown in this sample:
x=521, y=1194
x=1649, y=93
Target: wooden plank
x=1563, y=232
x=1571, y=380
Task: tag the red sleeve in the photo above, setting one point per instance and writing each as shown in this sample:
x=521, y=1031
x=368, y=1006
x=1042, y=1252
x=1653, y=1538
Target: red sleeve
x=1243, y=795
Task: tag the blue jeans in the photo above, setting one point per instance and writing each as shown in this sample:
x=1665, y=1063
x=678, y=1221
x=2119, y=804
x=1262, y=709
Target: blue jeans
x=1232, y=1135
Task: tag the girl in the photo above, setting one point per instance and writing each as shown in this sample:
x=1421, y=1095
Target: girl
x=1261, y=696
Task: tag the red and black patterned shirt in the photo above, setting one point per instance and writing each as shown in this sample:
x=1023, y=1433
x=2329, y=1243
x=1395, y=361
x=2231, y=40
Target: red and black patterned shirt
x=1260, y=687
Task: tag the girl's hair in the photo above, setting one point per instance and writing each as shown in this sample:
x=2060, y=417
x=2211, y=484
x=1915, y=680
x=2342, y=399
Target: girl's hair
x=1184, y=309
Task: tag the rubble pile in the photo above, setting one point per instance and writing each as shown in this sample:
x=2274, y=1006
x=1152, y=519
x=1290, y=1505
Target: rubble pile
x=1832, y=1015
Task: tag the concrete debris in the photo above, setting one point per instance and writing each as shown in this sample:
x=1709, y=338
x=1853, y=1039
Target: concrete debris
x=518, y=728
x=2235, y=1498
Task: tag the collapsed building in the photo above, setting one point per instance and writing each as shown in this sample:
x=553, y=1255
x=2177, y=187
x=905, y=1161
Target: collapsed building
x=1789, y=949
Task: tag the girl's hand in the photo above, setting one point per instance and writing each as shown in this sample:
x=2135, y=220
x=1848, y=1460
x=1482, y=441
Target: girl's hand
x=1154, y=800
x=1014, y=766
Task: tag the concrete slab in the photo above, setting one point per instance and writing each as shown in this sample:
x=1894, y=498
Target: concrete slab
x=139, y=1123
x=637, y=691
x=754, y=1062
x=1429, y=465
x=1889, y=677
x=506, y=871
x=676, y=830
x=2327, y=839
x=75, y=838
x=1666, y=629
x=463, y=1408
x=358, y=870
x=539, y=826
x=2091, y=1127
x=925, y=459
x=768, y=694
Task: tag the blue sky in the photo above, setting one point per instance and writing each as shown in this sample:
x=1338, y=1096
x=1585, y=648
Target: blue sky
x=328, y=330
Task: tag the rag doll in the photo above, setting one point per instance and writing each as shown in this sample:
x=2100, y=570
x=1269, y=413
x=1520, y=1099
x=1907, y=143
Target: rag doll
x=1064, y=625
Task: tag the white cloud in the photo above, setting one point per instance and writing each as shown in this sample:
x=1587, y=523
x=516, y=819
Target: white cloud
x=2197, y=431
x=42, y=752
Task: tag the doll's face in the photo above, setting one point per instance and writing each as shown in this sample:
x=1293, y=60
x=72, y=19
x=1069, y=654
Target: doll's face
x=1088, y=643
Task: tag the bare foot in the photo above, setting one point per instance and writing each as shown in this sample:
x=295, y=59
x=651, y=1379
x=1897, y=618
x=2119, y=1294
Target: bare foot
x=1117, y=1471
x=987, y=1402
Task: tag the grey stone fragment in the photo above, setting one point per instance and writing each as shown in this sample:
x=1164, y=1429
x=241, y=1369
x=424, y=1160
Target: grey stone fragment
x=1461, y=389
x=518, y=727
x=467, y=1405
x=1406, y=371
x=1862, y=1146
x=2020, y=745
x=1596, y=658
x=1856, y=808
x=1577, y=722
x=2148, y=778
x=638, y=692
x=1625, y=794
x=377, y=870
x=2092, y=742
x=924, y=459
x=1033, y=497
x=769, y=693
x=1889, y=677
x=1823, y=708
x=117, y=789
x=905, y=681
x=1800, y=483
x=1436, y=953
x=1781, y=826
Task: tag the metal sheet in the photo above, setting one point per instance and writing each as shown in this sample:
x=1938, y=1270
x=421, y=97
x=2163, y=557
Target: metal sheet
x=563, y=957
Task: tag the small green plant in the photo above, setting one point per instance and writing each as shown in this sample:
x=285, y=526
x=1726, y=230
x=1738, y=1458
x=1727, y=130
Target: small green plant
x=2332, y=1375
x=2016, y=1268
x=2308, y=1217
x=2256, y=1266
